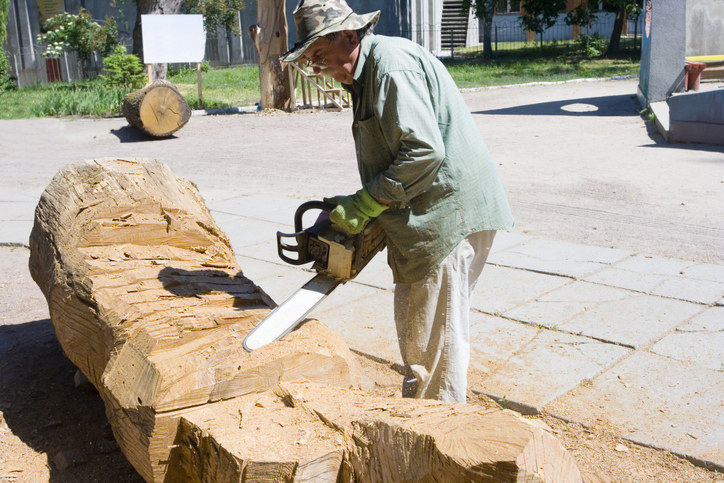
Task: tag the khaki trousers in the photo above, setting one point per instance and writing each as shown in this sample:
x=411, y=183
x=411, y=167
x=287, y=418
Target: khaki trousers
x=433, y=323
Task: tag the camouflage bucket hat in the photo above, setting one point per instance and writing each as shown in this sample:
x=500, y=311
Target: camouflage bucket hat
x=317, y=18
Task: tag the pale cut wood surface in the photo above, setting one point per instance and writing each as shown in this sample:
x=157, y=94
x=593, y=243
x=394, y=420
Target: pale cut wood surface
x=146, y=298
x=304, y=431
x=158, y=109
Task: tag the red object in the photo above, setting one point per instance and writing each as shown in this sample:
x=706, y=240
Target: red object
x=52, y=66
x=692, y=75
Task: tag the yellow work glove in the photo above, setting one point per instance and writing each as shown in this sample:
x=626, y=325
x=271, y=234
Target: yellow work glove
x=353, y=212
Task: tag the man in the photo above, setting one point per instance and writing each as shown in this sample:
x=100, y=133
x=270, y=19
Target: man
x=427, y=176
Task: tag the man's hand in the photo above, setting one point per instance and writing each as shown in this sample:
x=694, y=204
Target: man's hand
x=353, y=212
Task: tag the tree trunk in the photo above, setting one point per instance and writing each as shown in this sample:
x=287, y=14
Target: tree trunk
x=488, y=30
x=613, y=44
x=147, y=300
x=270, y=40
x=151, y=7
x=158, y=109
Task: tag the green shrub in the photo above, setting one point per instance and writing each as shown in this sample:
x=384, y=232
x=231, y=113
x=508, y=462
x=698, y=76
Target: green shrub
x=124, y=70
x=78, y=33
x=592, y=45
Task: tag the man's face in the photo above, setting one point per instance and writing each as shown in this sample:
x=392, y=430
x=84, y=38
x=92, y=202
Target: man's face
x=336, y=58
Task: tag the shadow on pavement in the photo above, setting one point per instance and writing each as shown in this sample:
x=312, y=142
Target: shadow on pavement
x=43, y=408
x=129, y=134
x=608, y=106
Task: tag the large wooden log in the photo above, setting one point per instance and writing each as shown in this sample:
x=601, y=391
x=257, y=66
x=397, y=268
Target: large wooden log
x=158, y=109
x=147, y=300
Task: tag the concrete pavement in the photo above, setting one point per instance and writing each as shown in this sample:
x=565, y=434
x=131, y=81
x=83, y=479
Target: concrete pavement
x=587, y=332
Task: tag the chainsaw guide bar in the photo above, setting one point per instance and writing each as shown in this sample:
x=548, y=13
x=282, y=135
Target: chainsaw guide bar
x=337, y=259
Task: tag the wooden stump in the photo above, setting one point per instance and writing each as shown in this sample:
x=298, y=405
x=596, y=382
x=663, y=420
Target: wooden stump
x=147, y=300
x=158, y=109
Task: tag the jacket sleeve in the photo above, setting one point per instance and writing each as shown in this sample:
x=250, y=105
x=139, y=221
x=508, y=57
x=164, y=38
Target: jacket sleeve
x=410, y=129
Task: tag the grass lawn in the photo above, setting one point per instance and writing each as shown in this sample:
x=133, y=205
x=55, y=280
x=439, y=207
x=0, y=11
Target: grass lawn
x=239, y=86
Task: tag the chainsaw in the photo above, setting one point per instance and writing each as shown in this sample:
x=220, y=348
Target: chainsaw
x=336, y=257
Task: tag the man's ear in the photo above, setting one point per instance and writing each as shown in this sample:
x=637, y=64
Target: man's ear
x=350, y=37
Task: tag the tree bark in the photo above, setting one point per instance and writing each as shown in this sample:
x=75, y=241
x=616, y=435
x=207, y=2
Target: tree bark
x=270, y=40
x=488, y=30
x=158, y=109
x=614, y=42
x=146, y=298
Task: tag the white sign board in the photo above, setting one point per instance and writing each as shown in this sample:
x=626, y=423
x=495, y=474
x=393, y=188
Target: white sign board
x=173, y=38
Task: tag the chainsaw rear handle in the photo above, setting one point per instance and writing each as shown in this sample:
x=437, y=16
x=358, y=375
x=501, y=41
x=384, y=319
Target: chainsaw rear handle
x=301, y=235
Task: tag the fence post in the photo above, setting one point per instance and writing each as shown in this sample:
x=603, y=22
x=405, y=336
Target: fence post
x=452, y=45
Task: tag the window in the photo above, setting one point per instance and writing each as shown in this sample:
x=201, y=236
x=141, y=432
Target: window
x=507, y=6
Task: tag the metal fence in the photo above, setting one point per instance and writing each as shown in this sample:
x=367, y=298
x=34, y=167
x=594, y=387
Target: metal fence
x=29, y=66
x=508, y=34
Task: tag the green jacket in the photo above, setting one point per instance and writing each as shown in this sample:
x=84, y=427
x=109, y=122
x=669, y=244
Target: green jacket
x=418, y=146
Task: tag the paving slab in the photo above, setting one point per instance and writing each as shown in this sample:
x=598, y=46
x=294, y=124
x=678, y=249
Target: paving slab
x=656, y=401
x=277, y=209
x=549, y=366
x=636, y=321
x=639, y=272
x=558, y=258
x=21, y=300
x=244, y=231
x=667, y=277
x=494, y=340
x=562, y=305
x=364, y=317
x=15, y=232
x=694, y=290
x=502, y=288
x=377, y=273
x=507, y=239
x=699, y=342
x=711, y=320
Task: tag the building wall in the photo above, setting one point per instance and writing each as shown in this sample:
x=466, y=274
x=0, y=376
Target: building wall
x=705, y=27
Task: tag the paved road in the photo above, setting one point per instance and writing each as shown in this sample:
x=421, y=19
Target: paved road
x=604, y=303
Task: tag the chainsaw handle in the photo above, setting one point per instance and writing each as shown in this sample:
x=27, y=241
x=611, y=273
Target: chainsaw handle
x=301, y=235
x=309, y=205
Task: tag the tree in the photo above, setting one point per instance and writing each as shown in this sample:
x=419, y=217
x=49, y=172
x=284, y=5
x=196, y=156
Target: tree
x=539, y=15
x=217, y=13
x=484, y=10
x=582, y=16
x=80, y=34
x=4, y=64
x=270, y=39
x=622, y=8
